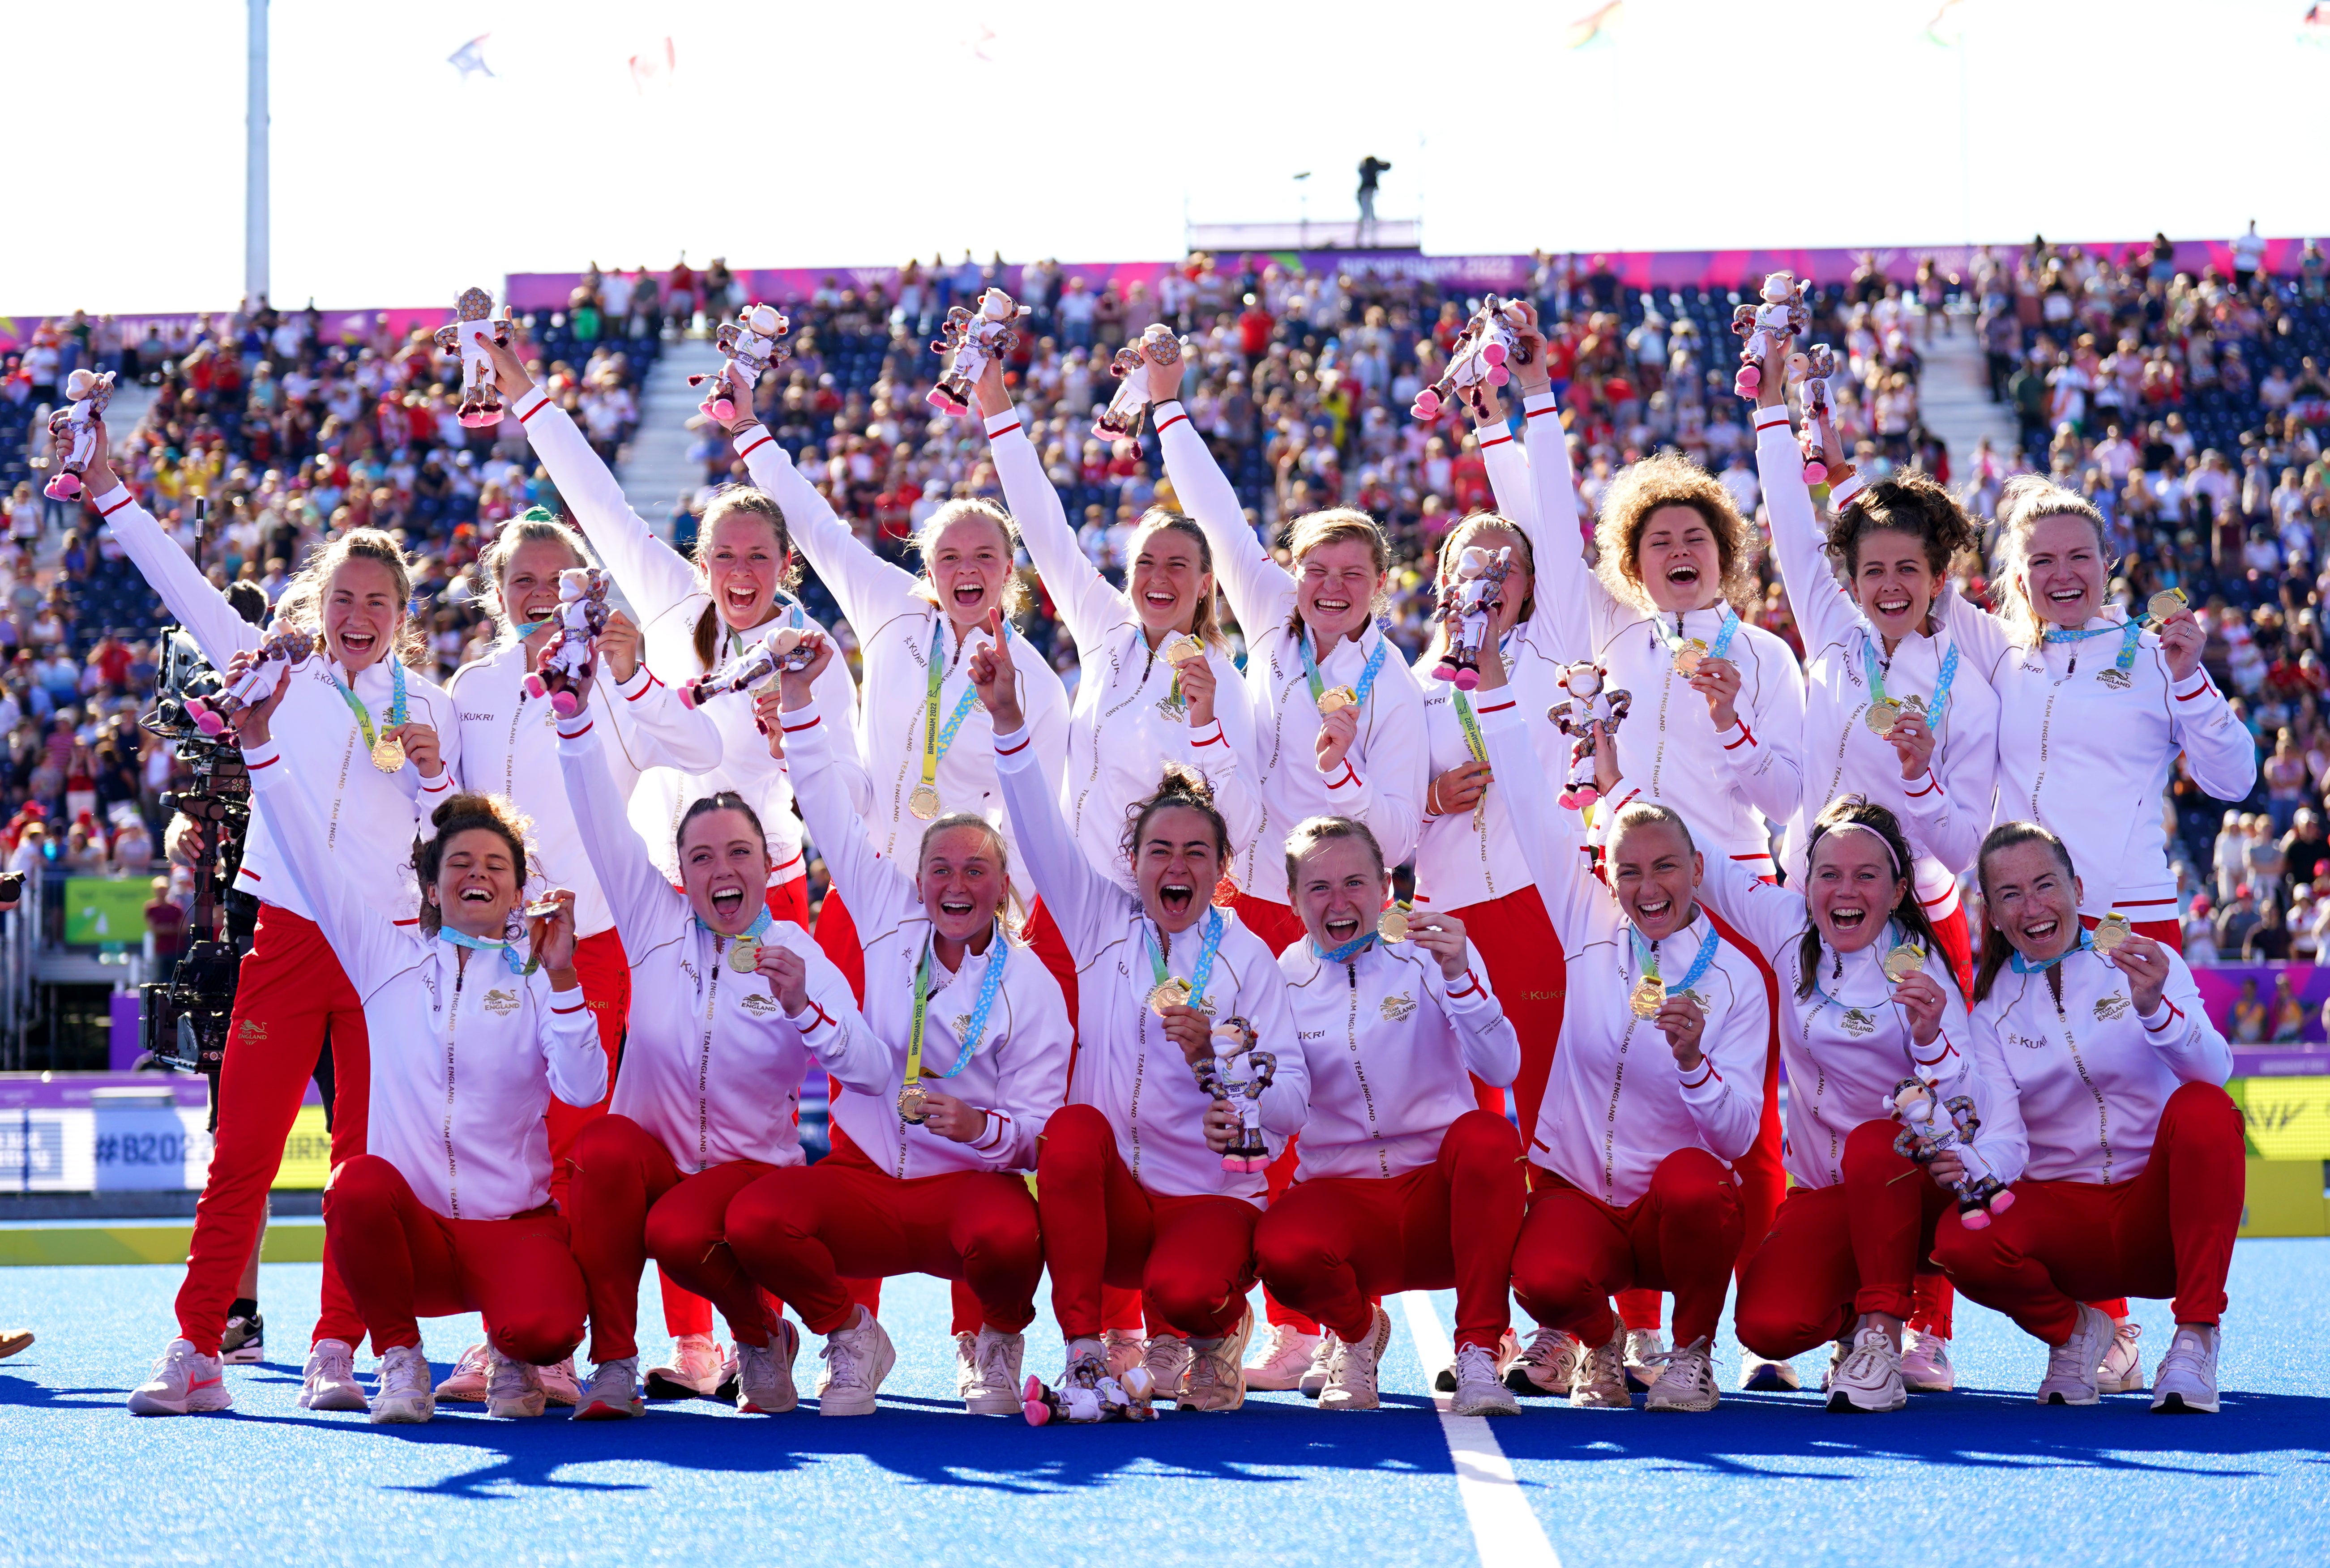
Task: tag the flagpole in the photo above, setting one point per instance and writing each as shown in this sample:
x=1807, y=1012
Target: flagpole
x=255, y=226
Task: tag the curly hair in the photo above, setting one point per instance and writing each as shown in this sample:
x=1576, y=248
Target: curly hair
x=1670, y=479
x=1314, y=831
x=1910, y=501
x=2028, y=498
x=1177, y=786
x=729, y=501
x=461, y=813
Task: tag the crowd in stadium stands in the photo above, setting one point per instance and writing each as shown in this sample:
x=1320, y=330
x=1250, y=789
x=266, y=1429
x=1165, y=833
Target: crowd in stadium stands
x=2191, y=410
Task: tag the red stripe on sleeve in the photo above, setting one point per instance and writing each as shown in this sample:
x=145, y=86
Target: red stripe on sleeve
x=126, y=499
x=1004, y=431
x=1014, y=750
x=1492, y=441
x=255, y=767
x=1487, y=708
x=1164, y=425
x=2200, y=690
x=1933, y=787
x=541, y=403
x=577, y=734
x=2176, y=1013
x=796, y=729
x=1746, y=738
x=756, y=446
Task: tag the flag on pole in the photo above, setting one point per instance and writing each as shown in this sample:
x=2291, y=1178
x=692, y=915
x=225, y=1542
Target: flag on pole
x=469, y=60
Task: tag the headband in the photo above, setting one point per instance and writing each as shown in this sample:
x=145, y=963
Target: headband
x=1891, y=859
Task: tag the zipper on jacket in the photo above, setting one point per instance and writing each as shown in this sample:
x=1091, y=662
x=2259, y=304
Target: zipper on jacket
x=452, y=1025
x=1358, y=1069
x=2103, y=1109
x=703, y=1064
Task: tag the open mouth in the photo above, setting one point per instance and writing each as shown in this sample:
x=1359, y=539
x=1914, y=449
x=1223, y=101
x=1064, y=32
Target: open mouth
x=1159, y=600
x=358, y=642
x=1893, y=604
x=1330, y=606
x=968, y=595
x=727, y=901
x=1175, y=897
x=1683, y=576
x=1653, y=909
x=1342, y=928
x=540, y=610
x=954, y=906
x=477, y=895
x=1847, y=920
x=2066, y=595
x=2040, y=930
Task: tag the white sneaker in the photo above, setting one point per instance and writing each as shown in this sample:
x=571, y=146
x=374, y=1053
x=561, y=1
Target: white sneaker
x=1925, y=1363
x=2071, y=1365
x=1122, y=1350
x=560, y=1386
x=1351, y=1372
x=764, y=1373
x=966, y=1365
x=402, y=1395
x=614, y=1394
x=2186, y=1380
x=2123, y=1368
x=858, y=1357
x=466, y=1383
x=1599, y=1382
x=1838, y=1354
x=1869, y=1379
x=1686, y=1379
x=1547, y=1366
x=1480, y=1390
x=1509, y=1350
x=1217, y=1369
x=1322, y=1357
x=1284, y=1359
x=1759, y=1375
x=512, y=1388
x=996, y=1359
x=1645, y=1348
x=1167, y=1356
x=693, y=1371
x=330, y=1380
x=184, y=1383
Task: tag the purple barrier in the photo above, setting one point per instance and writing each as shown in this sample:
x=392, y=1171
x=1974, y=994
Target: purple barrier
x=2220, y=987
x=348, y=326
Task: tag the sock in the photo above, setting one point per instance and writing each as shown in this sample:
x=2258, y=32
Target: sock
x=243, y=1307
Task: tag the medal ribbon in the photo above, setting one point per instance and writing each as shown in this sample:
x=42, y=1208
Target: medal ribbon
x=1942, y=682
x=1342, y=955
x=752, y=933
x=2025, y=967
x=1367, y=677
x=396, y=711
x=479, y=945
x=2129, y=636
x=1646, y=959
x=935, y=741
x=1204, y=970
x=1891, y=939
x=997, y=952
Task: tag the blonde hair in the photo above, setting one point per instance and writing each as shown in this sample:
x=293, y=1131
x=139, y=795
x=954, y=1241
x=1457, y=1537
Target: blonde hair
x=1642, y=814
x=2026, y=499
x=1670, y=479
x=302, y=602
x=1205, y=625
x=1452, y=550
x=758, y=503
x=1314, y=831
x=925, y=539
x=1336, y=526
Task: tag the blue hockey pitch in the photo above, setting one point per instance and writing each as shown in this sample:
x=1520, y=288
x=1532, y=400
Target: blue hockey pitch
x=1978, y=1476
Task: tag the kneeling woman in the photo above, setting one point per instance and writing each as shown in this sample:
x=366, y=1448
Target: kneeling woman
x=1641, y=1191
x=448, y=1210
x=1131, y=1178
x=1868, y=1000
x=2133, y=1179
x=976, y=1039
x=1406, y=1183
x=728, y=1009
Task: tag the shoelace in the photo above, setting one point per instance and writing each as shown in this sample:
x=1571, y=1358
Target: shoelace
x=994, y=1361
x=2187, y=1352
x=1664, y=1360
x=840, y=1362
x=2063, y=1360
x=1473, y=1360
x=1544, y=1347
x=336, y=1366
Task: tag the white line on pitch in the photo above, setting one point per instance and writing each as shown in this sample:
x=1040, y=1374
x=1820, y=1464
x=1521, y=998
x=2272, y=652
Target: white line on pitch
x=1504, y=1526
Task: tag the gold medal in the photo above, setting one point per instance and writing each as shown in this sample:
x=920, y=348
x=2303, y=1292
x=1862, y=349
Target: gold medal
x=1689, y=657
x=2110, y=932
x=1881, y=717
x=1649, y=994
x=913, y=1104
x=2165, y=603
x=388, y=754
x=1184, y=649
x=1392, y=925
x=1335, y=699
x=745, y=956
x=542, y=909
x=1170, y=992
x=923, y=802
x=1903, y=962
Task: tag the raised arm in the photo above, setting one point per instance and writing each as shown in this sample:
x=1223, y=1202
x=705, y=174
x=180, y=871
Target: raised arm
x=1082, y=900
x=636, y=891
x=651, y=574
x=1260, y=591
x=1823, y=609
x=878, y=891
x=369, y=944
x=1551, y=847
x=1562, y=576
x=1091, y=607
x=183, y=591
x=869, y=588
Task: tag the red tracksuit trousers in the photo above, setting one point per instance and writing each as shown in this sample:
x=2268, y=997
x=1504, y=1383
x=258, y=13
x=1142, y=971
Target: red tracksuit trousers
x=291, y=992
x=805, y=1232
x=1681, y=1235
x=403, y=1262
x=2169, y=1228
x=632, y=1202
x=1836, y=1253
x=1192, y=1257
x=1332, y=1245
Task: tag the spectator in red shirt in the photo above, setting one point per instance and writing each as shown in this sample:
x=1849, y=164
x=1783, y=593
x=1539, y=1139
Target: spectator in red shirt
x=1254, y=327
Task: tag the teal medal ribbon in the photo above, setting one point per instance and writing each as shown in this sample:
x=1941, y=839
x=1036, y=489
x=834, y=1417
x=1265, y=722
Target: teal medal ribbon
x=517, y=966
x=760, y=923
x=1647, y=959
x=974, y=1033
x=1367, y=677
x=1342, y=955
x=1948, y=675
x=2131, y=635
x=1203, y=971
x=2022, y=966
x=396, y=705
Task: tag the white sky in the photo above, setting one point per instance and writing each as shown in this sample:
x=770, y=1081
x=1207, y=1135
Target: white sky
x=845, y=133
